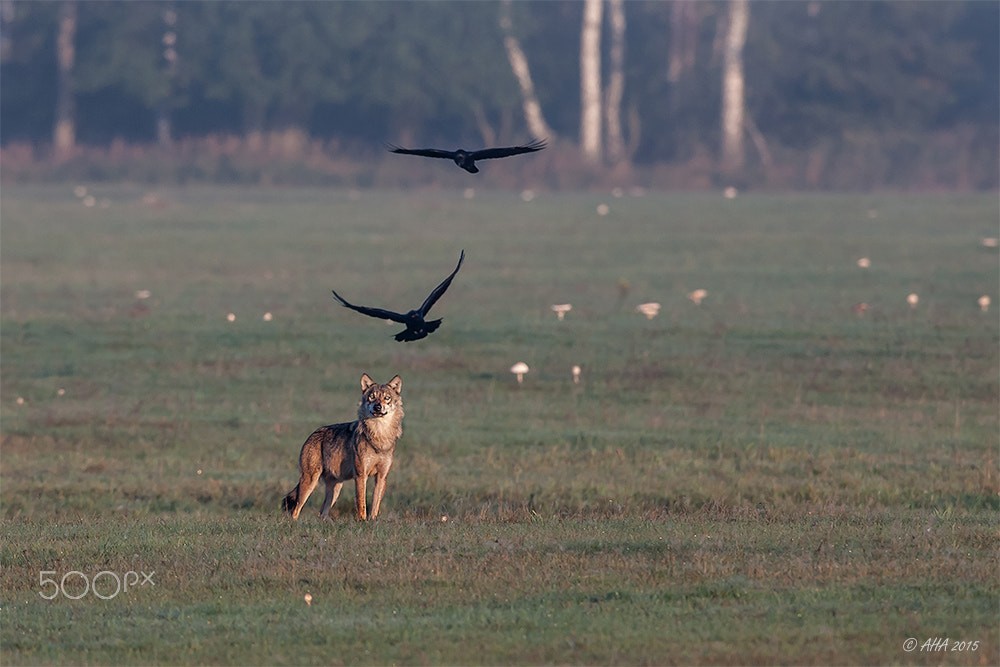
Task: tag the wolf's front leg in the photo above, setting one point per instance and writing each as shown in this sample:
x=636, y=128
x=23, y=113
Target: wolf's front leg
x=360, y=480
x=380, y=479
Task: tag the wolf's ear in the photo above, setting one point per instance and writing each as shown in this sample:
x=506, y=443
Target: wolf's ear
x=366, y=382
x=396, y=384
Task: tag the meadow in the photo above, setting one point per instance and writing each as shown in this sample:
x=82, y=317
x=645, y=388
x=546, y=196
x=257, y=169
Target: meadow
x=772, y=476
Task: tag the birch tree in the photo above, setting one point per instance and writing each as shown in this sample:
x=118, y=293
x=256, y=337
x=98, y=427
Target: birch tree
x=64, y=132
x=683, y=38
x=733, y=87
x=590, y=81
x=519, y=65
x=164, y=130
x=616, y=83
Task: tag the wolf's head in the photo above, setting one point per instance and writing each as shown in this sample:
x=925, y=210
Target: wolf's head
x=380, y=400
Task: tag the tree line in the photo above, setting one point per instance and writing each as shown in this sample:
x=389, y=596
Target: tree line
x=905, y=92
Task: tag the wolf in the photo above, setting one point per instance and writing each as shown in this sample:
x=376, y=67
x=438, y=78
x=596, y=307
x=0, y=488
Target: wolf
x=353, y=450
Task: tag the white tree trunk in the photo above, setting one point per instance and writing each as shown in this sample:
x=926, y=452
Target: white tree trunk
x=164, y=123
x=733, y=87
x=519, y=65
x=616, y=83
x=590, y=81
x=64, y=132
x=483, y=124
x=683, y=38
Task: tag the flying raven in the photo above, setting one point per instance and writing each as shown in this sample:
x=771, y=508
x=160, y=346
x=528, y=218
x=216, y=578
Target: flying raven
x=467, y=159
x=416, y=326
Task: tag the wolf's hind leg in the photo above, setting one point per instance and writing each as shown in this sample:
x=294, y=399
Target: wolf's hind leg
x=307, y=484
x=332, y=493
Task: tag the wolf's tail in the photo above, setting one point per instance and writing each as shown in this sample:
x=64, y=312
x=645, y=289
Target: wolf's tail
x=289, y=502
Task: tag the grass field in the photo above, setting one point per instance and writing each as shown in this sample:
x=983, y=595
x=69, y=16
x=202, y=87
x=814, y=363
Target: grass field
x=765, y=478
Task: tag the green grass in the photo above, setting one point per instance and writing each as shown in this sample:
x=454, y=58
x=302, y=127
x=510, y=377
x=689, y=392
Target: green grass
x=767, y=478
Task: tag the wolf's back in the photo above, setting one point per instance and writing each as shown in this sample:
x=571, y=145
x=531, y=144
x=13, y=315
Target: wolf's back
x=330, y=448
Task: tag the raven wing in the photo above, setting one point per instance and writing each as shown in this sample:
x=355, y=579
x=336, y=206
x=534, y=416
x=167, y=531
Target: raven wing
x=425, y=152
x=440, y=289
x=372, y=312
x=489, y=153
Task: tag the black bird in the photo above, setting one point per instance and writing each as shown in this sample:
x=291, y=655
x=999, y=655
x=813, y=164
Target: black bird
x=416, y=326
x=467, y=159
